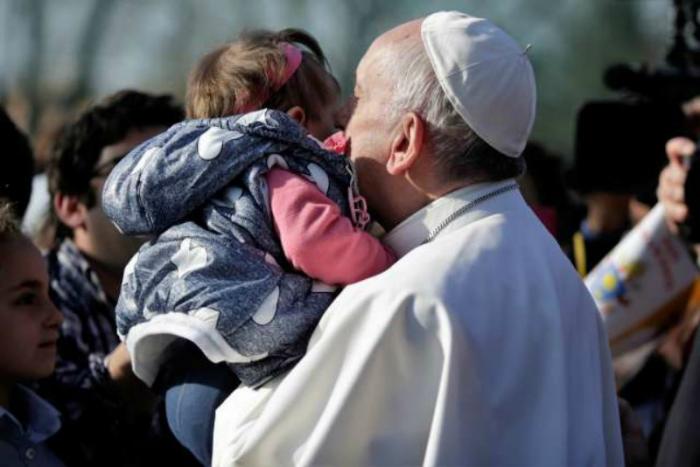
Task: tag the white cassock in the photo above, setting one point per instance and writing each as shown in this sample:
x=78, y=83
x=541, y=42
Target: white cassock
x=480, y=347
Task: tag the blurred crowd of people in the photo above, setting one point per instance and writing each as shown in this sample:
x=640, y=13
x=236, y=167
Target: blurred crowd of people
x=623, y=165
x=619, y=155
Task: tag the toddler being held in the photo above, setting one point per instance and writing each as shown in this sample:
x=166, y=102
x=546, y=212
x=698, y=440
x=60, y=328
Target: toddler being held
x=256, y=224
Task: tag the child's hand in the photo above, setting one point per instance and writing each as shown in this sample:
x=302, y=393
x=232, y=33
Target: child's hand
x=119, y=364
x=139, y=398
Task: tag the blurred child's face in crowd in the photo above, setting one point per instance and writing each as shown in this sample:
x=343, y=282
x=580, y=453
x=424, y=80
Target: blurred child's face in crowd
x=29, y=322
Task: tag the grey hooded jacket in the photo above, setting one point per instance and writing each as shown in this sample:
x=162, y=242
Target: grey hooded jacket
x=215, y=273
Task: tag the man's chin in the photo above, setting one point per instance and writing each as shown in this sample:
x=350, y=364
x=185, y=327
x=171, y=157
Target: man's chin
x=141, y=239
x=137, y=242
x=128, y=249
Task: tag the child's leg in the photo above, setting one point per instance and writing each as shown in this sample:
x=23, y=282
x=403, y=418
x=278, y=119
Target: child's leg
x=193, y=387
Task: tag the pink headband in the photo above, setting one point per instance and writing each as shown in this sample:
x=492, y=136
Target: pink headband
x=293, y=56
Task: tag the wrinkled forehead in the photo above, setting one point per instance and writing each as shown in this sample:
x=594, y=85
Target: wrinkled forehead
x=374, y=69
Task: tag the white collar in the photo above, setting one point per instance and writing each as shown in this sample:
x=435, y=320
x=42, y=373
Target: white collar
x=42, y=419
x=414, y=230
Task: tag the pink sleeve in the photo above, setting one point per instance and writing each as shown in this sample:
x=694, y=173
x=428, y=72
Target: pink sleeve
x=316, y=238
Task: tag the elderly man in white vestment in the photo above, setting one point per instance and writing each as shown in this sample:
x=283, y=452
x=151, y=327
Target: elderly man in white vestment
x=480, y=346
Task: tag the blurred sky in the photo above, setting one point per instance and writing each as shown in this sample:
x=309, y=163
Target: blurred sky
x=151, y=44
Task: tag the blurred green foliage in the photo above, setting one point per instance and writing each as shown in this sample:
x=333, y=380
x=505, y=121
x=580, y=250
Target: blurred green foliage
x=64, y=51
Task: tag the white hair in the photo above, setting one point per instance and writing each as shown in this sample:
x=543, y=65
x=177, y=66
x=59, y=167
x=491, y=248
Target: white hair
x=459, y=152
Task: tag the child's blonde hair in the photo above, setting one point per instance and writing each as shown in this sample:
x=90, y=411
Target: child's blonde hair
x=248, y=74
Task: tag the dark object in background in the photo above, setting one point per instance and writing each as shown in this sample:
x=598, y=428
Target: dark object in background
x=690, y=229
x=676, y=80
x=543, y=187
x=679, y=442
x=16, y=165
x=664, y=84
x=620, y=146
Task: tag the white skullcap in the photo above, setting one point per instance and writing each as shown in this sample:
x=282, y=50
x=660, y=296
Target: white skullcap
x=486, y=76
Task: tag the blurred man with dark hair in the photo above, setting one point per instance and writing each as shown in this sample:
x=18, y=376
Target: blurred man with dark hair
x=619, y=152
x=544, y=190
x=93, y=385
x=16, y=166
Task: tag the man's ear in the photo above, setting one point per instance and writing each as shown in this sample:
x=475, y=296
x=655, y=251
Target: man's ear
x=298, y=114
x=70, y=210
x=407, y=145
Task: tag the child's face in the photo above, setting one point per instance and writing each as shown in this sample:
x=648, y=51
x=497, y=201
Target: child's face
x=326, y=122
x=29, y=322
